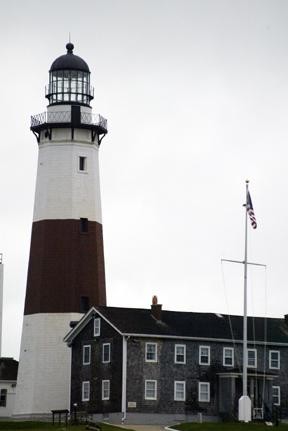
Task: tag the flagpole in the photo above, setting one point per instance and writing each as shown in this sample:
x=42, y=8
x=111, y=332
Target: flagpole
x=245, y=300
x=244, y=404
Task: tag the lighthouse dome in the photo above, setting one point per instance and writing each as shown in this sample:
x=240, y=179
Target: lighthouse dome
x=69, y=80
x=69, y=61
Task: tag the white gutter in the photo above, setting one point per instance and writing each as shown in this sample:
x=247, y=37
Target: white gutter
x=221, y=340
x=124, y=378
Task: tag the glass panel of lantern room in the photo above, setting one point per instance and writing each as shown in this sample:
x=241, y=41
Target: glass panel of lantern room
x=66, y=81
x=85, y=83
x=79, y=82
x=53, y=78
x=73, y=81
x=59, y=82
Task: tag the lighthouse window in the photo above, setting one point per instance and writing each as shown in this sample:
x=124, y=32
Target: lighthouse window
x=82, y=163
x=84, y=304
x=3, y=397
x=83, y=225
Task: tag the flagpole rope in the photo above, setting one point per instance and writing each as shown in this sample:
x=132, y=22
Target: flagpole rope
x=236, y=353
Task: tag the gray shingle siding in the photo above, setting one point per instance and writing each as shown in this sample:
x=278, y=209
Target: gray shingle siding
x=97, y=371
x=225, y=381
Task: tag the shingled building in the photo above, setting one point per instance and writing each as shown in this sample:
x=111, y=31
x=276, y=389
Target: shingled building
x=151, y=365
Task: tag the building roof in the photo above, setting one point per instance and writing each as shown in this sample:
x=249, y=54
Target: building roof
x=138, y=321
x=69, y=61
x=8, y=369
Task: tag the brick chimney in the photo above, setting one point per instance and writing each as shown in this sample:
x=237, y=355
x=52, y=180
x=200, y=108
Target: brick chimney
x=156, y=309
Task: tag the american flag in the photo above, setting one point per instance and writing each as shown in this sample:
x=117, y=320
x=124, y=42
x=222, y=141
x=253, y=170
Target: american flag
x=250, y=211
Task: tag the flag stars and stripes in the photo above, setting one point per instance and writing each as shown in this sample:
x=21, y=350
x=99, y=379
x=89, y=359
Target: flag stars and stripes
x=250, y=211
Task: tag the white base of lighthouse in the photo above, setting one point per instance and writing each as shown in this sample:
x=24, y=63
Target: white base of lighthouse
x=43, y=382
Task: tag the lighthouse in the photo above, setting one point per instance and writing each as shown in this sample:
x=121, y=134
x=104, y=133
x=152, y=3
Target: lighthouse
x=66, y=265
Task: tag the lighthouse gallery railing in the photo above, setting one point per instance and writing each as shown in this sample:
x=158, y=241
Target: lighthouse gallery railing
x=65, y=117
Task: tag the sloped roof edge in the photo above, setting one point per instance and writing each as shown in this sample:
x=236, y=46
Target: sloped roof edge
x=83, y=322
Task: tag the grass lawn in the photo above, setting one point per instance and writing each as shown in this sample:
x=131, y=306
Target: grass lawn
x=36, y=426
x=45, y=426
x=226, y=426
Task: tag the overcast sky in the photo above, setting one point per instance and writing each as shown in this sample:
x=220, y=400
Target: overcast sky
x=196, y=97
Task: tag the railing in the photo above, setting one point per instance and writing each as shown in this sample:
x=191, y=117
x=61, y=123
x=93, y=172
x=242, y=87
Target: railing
x=65, y=117
x=97, y=119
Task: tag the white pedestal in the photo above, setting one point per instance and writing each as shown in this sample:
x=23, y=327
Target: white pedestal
x=244, y=409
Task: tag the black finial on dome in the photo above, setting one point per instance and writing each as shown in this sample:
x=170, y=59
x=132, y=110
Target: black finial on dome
x=69, y=61
x=69, y=48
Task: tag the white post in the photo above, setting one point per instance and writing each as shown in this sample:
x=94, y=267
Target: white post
x=244, y=406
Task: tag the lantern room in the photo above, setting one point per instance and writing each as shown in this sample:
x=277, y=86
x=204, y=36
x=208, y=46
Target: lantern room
x=69, y=80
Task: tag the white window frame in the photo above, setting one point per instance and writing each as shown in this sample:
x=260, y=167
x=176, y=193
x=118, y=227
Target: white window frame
x=86, y=388
x=227, y=349
x=109, y=353
x=200, y=355
x=183, y=384
x=97, y=326
x=85, y=348
x=184, y=354
x=146, y=351
x=270, y=359
x=207, y=385
x=154, y=397
x=255, y=356
x=278, y=395
x=105, y=388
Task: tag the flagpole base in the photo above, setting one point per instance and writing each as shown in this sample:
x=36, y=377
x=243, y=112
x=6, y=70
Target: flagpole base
x=244, y=409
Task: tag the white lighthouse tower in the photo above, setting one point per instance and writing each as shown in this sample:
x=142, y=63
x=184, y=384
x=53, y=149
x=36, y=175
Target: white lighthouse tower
x=66, y=265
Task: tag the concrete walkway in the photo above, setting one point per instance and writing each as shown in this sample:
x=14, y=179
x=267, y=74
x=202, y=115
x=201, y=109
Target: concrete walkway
x=145, y=427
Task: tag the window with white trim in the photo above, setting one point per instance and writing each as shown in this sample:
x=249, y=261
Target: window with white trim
x=276, y=397
x=204, y=355
x=150, y=389
x=106, y=348
x=204, y=392
x=179, y=391
x=105, y=389
x=180, y=354
x=86, y=354
x=151, y=352
x=252, y=358
x=274, y=359
x=228, y=356
x=86, y=391
x=97, y=325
